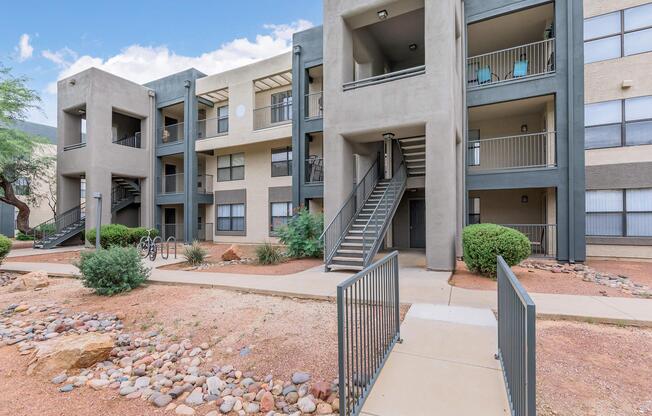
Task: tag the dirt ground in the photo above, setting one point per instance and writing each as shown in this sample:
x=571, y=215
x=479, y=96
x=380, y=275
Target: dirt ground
x=593, y=370
x=68, y=257
x=536, y=281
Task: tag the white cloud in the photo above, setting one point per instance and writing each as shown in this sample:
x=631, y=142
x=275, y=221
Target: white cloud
x=142, y=64
x=25, y=50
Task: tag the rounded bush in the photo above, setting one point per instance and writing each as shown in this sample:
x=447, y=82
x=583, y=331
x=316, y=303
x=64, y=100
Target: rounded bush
x=113, y=270
x=118, y=235
x=483, y=243
x=5, y=247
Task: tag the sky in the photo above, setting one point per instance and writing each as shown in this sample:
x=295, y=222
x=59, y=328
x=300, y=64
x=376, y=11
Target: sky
x=142, y=40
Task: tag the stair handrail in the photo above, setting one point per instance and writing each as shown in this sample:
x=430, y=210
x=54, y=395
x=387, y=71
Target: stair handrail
x=396, y=186
x=58, y=223
x=336, y=229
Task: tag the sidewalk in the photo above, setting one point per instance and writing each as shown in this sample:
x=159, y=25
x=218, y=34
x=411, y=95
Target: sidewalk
x=417, y=286
x=445, y=366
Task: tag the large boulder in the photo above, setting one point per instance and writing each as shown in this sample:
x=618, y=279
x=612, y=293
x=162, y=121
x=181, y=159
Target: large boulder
x=30, y=281
x=232, y=253
x=74, y=351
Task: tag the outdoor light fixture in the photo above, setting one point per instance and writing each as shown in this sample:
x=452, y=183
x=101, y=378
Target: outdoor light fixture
x=388, y=136
x=382, y=15
x=524, y=199
x=413, y=47
x=524, y=128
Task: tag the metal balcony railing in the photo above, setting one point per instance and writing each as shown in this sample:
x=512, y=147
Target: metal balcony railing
x=273, y=115
x=543, y=238
x=524, y=151
x=517, y=341
x=368, y=327
x=205, y=184
x=212, y=127
x=380, y=79
x=511, y=64
x=171, y=184
x=205, y=232
x=131, y=141
x=171, y=134
x=314, y=169
x=314, y=105
x=74, y=146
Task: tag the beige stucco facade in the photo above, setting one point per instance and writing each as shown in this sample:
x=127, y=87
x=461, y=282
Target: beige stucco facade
x=403, y=107
x=243, y=137
x=617, y=79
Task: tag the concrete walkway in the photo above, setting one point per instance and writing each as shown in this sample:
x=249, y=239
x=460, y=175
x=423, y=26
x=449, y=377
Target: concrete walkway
x=445, y=366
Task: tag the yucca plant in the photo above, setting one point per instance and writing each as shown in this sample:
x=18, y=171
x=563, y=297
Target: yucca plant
x=269, y=254
x=195, y=254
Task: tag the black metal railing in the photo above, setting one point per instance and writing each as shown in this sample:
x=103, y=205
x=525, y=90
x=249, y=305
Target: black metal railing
x=517, y=341
x=315, y=105
x=380, y=79
x=377, y=223
x=368, y=327
x=74, y=146
x=335, y=231
x=119, y=194
x=131, y=141
x=314, y=169
x=273, y=115
x=58, y=224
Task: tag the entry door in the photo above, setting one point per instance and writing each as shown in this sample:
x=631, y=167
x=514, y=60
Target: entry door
x=170, y=219
x=417, y=223
x=170, y=179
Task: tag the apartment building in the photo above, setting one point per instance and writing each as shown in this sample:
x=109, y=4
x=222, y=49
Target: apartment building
x=401, y=120
x=618, y=128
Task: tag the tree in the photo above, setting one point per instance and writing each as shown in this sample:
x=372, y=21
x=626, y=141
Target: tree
x=22, y=159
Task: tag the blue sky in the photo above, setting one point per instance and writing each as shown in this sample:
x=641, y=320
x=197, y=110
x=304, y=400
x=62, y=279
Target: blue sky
x=143, y=39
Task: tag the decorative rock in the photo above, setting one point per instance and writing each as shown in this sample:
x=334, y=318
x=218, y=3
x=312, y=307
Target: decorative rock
x=321, y=390
x=21, y=308
x=98, y=384
x=306, y=405
x=267, y=402
x=184, y=410
x=195, y=398
x=214, y=385
x=300, y=378
x=233, y=253
x=141, y=382
x=162, y=400
x=227, y=405
x=60, y=378
x=252, y=408
x=324, y=409
x=292, y=397
x=74, y=351
x=67, y=388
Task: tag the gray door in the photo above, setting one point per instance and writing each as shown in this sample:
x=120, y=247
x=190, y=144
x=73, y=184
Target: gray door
x=417, y=223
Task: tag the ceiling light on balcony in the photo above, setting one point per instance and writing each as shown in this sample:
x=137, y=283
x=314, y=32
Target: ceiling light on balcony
x=413, y=47
x=382, y=15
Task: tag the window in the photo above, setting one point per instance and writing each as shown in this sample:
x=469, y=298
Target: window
x=281, y=214
x=474, y=211
x=21, y=187
x=282, y=161
x=619, y=213
x=281, y=106
x=618, y=123
x=622, y=33
x=223, y=119
x=231, y=217
x=230, y=167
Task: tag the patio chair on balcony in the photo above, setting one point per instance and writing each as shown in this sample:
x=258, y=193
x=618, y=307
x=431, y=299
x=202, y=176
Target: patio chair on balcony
x=539, y=247
x=520, y=68
x=485, y=76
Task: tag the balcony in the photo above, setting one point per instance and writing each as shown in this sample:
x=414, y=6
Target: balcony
x=315, y=105
x=131, y=141
x=511, y=47
x=526, y=151
x=213, y=127
x=512, y=64
x=171, y=184
x=171, y=134
x=205, y=184
x=314, y=170
x=273, y=115
x=543, y=238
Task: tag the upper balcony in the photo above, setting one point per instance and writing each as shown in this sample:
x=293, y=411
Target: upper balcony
x=214, y=119
x=512, y=47
x=125, y=130
x=75, y=128
x=314, y=105
x=273, y=101
x=387, y=45
x=172, y=131
x=512, y=135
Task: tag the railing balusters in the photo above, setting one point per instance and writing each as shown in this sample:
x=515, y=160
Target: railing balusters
x=513, y=152
x=366, y=334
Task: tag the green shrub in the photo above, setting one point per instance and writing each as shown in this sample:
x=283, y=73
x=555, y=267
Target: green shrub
x=268, y=254
x=113, y=270
x=21, y=236
x=301, y=235
x=484, y=242
x=5, y=247
x=195, y=254
x=118, y=235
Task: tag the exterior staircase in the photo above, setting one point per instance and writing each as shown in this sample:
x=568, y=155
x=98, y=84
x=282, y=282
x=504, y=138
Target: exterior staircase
x=355, y=235
x=60, y=228
x=414, y=155
x=124, y=193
